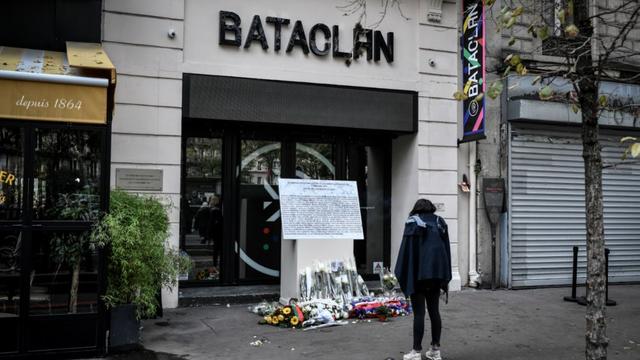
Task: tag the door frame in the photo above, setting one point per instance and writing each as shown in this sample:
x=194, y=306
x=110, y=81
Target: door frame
x=232, y=133
x=28, y=226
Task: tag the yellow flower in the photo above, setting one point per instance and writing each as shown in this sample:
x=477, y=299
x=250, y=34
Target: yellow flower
x=274, y=320
x=294, y=321
x=286, y=310
x=280, y=318
x=267, y=319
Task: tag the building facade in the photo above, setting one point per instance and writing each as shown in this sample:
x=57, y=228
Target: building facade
x=56, y=86
x=536, y=147
x=225, y=97
x=216, y=101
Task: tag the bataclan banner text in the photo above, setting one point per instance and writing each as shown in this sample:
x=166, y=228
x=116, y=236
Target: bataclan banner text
x=321, y=40
x=473, y=70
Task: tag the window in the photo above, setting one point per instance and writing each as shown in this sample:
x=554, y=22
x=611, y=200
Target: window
x=67, y=174
x=559, y=13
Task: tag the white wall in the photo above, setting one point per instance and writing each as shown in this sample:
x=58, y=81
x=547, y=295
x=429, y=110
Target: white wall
x=148, y=110
x=426, y=165
x=203, y=55
x=438, y=119
x=147, y=120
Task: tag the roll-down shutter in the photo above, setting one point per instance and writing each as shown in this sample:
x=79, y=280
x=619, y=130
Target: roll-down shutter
x=547, y=207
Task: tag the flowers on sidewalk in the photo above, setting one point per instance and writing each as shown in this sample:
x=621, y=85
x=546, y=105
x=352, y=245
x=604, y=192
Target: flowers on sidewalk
x=388, y=280
x=332, y=292
x=317, y=312
x=380, y=307
x=337, y=280
x=283, y=316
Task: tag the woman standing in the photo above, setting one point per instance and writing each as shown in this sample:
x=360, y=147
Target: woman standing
x=423, y=270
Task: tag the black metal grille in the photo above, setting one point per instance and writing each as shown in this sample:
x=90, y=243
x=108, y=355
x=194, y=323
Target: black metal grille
x=278, y=102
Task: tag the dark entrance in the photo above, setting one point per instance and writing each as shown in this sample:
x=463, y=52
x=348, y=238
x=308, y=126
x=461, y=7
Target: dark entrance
x=53, y=185
x=240, y=136
x=216, y=205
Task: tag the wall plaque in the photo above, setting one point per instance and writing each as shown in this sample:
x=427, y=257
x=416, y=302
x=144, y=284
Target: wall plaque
x=139, y=179
x=320, y=209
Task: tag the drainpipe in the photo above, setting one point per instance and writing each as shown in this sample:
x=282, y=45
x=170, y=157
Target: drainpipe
x=474, y=277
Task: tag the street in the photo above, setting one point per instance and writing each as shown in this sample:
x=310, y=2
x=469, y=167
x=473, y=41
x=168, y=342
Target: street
x=503, y=324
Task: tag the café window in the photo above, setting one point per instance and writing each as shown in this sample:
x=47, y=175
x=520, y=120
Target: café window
x=67, y=169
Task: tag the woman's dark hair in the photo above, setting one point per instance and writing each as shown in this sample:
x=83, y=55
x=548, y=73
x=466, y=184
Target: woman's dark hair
x=423, y=206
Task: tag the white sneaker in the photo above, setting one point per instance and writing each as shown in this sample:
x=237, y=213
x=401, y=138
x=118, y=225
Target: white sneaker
x=413, y=355
x=433, y=354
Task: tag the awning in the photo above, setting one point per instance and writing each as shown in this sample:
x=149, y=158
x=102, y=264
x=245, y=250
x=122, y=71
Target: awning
x=76, y=86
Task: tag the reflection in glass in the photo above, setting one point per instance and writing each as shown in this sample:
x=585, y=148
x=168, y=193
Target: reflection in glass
x=366, y=165
x=259, y=245
x=204, y=158
x=315, y=161
x=260, y=162
x=64, y=278
x=67, y=174
x=374, y=206
x=10, y=245
x=203, y=213
x=11, y=173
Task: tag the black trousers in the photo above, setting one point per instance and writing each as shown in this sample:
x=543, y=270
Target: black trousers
x=428, y=294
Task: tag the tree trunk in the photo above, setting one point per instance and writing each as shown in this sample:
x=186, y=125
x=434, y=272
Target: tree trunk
x=596, y=338
x=73, y=292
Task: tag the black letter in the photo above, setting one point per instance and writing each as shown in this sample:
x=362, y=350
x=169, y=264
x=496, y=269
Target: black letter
x=234, y=28
x=312, y=39
x=298, y=38
x=358, y=45
x=386, y=47
x=256, y=32
x=277, y=23
x=336, y=45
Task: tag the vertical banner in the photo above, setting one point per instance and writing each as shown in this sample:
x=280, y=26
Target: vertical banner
x=473, y=71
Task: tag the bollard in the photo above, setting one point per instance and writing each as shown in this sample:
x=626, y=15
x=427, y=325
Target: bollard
x=606, y=284
x=583, y=300
x=574, y=278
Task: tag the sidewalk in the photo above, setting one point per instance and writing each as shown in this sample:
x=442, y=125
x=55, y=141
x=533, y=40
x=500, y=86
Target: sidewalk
x=477, y=324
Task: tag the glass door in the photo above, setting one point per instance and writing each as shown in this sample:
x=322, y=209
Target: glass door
x=261, y=166
x=368, y=165
x=11, y=235
x=50, y=196
x=243, y=166
x=258, y=246
x=202, y=220
x=67, y=194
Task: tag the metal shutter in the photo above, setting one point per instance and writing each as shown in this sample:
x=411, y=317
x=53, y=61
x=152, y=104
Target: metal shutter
x=547, y=207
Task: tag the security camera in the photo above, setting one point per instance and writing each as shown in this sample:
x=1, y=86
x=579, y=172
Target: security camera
x=171, y=33
x=432, y=62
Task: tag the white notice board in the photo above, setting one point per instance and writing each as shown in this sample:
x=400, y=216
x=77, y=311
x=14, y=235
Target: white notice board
x=320, y=209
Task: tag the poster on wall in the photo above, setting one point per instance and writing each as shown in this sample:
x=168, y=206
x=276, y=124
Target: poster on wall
x=320, y=209
x=473, y=71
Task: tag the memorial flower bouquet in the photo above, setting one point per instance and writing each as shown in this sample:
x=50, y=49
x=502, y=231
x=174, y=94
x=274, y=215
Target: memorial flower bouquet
x=381, y=308
x=388, y=281
x=289, y=316
x=336, y=280
x=264, y=308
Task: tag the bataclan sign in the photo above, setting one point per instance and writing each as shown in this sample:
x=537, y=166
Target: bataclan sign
x=322, y=40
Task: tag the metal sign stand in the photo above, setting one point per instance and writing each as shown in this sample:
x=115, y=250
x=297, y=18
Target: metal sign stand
x=493, y=192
